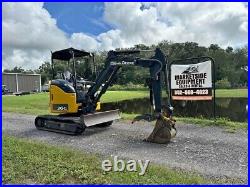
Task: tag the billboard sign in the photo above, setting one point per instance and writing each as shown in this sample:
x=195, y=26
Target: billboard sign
x=192, y=81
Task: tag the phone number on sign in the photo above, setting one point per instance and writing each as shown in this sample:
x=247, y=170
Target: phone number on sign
x=191, y=92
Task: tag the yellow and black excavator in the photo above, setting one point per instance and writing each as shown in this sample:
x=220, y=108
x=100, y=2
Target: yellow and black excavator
x=78, y=105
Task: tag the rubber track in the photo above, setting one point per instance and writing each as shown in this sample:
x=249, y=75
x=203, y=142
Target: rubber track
x=58, y=124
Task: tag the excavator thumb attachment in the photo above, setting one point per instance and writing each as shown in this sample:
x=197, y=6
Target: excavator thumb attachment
x=163, y=131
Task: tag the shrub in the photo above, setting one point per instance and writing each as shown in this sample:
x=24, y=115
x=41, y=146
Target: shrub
x=129, y=86
x=223, y=83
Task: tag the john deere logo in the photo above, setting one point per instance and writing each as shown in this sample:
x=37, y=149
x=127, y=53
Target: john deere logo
x=191, y=69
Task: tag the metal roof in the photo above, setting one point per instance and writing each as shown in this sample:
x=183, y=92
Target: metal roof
x=6, y=73
x=66, y=54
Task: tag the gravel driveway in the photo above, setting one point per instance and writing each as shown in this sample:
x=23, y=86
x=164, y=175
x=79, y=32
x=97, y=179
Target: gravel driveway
x=209, y=151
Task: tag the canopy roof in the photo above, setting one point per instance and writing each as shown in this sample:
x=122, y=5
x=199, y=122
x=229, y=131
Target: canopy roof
x=66, y=54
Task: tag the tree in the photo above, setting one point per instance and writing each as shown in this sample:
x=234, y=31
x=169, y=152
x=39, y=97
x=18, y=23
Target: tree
x=229, y=63
x=229, y=49
x=142, y=47
x=214, y=47
x=46, y=72
x=16, y=69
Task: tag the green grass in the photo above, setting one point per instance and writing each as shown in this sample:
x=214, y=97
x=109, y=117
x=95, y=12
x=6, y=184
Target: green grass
x=114, y=96
x=28, y=162
x=25, y=161
x=124, y=95
x=27, y=104
x=38, y=103
x=230, y=126
x=235, y=93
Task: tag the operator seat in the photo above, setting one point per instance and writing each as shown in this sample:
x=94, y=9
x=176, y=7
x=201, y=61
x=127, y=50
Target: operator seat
x=68, y=76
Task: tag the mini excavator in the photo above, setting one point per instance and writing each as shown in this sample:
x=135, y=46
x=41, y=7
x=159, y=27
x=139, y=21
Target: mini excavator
x=78, y=106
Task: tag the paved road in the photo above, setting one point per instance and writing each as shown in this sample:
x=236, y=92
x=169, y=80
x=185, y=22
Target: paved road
x=208, y=150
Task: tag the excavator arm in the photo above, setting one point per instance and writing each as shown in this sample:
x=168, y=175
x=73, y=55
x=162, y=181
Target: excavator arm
x=118, y=59
x=164, y=128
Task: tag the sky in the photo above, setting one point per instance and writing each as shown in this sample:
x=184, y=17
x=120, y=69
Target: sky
x=30, y=31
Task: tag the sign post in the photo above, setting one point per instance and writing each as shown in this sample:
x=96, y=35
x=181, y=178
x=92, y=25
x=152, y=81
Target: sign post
x=194, y=80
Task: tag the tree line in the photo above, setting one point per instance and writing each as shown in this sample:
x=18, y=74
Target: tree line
x=230, y=64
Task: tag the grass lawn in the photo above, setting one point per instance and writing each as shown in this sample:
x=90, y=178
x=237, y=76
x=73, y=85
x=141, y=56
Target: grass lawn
x=25, y=161
x=230, y=126
x=38, y=103
x=235, y=93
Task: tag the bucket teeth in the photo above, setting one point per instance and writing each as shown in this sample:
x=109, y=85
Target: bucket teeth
x=163, y=131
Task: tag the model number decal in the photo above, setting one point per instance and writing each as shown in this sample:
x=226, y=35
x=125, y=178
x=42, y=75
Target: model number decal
x=60, y=107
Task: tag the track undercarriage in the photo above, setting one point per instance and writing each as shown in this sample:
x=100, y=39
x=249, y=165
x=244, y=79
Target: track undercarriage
x=75, y=125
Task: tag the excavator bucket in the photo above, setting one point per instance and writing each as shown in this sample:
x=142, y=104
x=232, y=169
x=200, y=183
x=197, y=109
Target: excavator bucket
x=163, y=131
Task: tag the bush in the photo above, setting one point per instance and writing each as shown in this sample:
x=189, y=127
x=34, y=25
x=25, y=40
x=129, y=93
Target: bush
x=223, y=83
x=129, y=86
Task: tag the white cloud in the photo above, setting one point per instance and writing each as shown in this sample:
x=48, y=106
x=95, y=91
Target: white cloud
x=29, y=31
x=112, y=39
x=210, y=22
x=222, y=23
x=24, y=58
x=135, y=25
x=29, y=25
x=83, y=41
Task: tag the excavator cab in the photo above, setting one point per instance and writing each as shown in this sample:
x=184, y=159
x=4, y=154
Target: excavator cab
x=67, y=92
x=68, y=98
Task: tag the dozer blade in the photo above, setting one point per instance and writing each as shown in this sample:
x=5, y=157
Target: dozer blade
x=100, y=117
x=163, y=131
